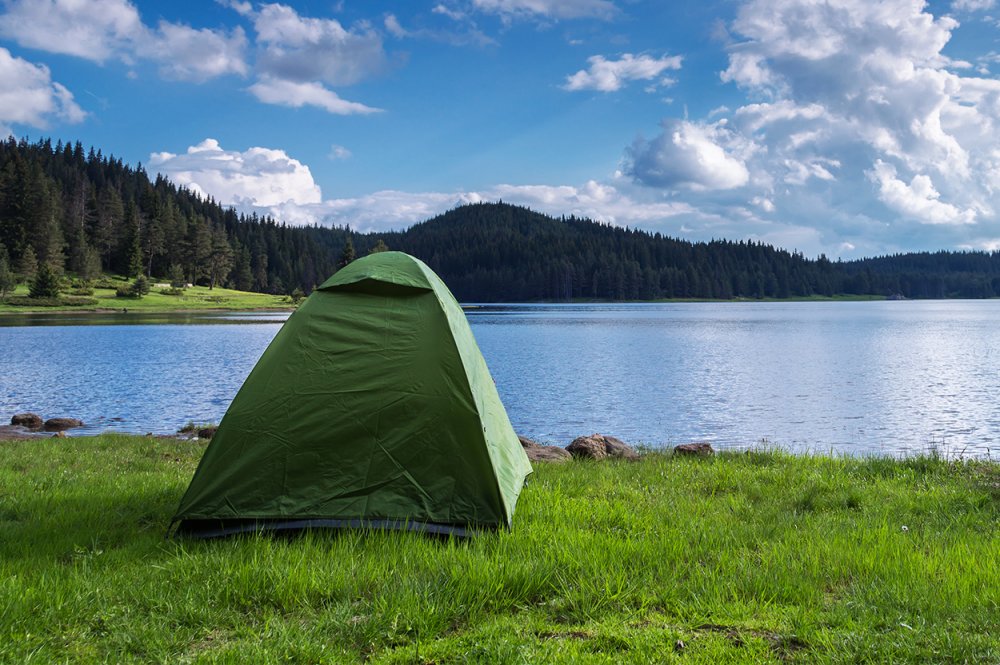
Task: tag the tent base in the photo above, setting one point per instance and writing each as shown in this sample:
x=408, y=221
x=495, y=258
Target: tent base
x=205, y=529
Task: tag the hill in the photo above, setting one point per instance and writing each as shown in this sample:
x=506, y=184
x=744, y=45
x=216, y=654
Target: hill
x=86, y=213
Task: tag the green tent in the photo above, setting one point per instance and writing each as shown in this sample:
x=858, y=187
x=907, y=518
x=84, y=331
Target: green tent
x=372, y=406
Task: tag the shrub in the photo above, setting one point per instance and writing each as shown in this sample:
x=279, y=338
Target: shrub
x=27, y=301
x=105, y=283
x=82, y=291
x=172, y=291
x=78, y=301
x=126, y=292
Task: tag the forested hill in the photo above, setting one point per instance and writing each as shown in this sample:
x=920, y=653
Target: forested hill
x=86, y=213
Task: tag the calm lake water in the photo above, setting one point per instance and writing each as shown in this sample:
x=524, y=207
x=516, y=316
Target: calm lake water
x=886, y=377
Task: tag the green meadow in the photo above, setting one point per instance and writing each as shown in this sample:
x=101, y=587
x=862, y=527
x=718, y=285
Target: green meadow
x=759, y=557
x=193, y=298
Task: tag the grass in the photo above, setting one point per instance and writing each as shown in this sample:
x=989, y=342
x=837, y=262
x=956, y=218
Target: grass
x=759, y=557
x=194, y=298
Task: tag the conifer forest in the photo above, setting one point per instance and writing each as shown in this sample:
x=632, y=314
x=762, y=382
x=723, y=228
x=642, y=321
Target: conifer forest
x=77, y=211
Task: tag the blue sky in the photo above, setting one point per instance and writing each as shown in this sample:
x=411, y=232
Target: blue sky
x=847, y=127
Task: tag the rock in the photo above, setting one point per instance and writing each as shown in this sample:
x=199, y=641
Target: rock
x=59, y=435
x=598, y=446
x=539, y=453
x=618, y=448
x=29, y=420
x=696, y=449
x=526, y=442
x=207, y=432
x=59, y=424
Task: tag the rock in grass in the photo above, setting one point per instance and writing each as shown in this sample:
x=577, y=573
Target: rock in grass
x=695, y=449
x=29, y=420
x=538, y=453
x=207, y=432
x=548, y=454
x=59, y=424
x=599, y=446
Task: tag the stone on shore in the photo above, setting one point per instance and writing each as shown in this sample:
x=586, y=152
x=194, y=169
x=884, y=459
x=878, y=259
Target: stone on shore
x=694, y=449
x=537, y=452
x=599, y=446
x=29, y=420
x=59, y=424
x=206, y=432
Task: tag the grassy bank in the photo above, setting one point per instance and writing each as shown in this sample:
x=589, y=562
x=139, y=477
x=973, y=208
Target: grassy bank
x=194, y=298
x=760, y=557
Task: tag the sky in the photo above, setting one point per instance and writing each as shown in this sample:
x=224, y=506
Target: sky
x=850, y=128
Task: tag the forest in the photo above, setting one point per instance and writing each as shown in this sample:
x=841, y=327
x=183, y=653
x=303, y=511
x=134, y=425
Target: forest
x=83, y=213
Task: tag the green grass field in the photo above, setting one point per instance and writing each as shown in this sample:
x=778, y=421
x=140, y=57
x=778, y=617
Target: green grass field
x=194, y=298
x=757, y=558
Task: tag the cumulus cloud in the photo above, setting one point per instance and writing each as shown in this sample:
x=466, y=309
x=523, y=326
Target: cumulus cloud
x=290, y=93
x=95, y=30
x=190, y=54
x=258, y=178
x=303, y=49
x=698, y=156
x=855, y=122
x=918, y=199
x=29, y=96
x=554, y=9
x=100, y=30
x=269, y=181
x=610, y=75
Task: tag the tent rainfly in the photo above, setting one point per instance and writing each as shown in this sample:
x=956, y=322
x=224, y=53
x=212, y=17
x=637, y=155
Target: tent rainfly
x=372, y=407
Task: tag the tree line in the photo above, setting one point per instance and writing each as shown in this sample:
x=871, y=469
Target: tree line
x=79, y=211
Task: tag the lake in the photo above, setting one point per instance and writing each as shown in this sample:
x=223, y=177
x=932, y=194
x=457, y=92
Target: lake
x=851, y=377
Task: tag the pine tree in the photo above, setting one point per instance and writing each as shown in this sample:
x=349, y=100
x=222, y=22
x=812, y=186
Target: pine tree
x=140, y=286
x=177, y=280
x=28, y=265
x=7, y=279
x=45, y=284
x=379, y=247
x=220, y=261
x=347, y=255
x=133, y=225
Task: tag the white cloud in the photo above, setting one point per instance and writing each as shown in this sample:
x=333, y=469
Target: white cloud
x=190, y=54
x=99, y=30
x=303, y=49
x=555, y=9
x=855, y=123
x=697, y=156
x=394, y=27
x=29, y=96
x=241, y=7
x=339, y=152
x=918, y=200
x=610, y=75
x=95, y=30
x=972, y=5
x=258, y=178
x=269, y=181
x=453, y=14
x=290, y=93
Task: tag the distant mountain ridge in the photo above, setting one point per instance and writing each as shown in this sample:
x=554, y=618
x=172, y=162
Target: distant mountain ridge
x=86, y=213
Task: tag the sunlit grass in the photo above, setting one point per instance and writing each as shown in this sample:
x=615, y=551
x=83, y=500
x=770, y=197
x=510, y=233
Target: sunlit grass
x=760, y=557
x=194, y=298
